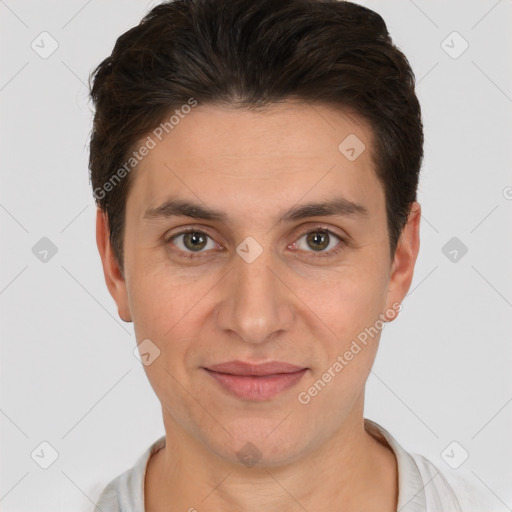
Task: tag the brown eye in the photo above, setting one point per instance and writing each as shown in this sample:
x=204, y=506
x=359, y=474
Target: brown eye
x=318, y=240
x=192, y=241
x=321, y=241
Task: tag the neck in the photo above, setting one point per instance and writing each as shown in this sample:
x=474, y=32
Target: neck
x=351, y=468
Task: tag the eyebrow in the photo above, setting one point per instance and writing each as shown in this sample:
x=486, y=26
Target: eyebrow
x=338, y=206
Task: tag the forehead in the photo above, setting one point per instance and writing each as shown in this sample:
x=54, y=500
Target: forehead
x=227, y=157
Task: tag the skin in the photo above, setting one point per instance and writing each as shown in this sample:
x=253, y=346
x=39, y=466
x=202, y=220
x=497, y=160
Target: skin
x=287, y=305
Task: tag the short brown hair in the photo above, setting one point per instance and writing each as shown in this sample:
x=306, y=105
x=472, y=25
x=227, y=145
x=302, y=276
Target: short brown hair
x=250, y=54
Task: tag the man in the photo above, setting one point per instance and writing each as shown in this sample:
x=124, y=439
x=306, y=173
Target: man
x=255, y=167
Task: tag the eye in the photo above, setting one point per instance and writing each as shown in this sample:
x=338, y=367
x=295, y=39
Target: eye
x=321, y=241
x=192, y=241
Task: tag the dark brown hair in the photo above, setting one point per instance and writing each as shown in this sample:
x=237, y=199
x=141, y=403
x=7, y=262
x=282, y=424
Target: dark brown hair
x=251, y=54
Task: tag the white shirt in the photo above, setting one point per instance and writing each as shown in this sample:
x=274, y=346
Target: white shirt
x=422, y=487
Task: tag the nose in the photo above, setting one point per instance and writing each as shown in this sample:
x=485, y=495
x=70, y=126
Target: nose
x=256, y=305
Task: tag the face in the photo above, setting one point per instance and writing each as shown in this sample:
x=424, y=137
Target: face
x=251, y=275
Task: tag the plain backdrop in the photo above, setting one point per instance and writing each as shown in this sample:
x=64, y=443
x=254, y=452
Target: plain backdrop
x=68, y=374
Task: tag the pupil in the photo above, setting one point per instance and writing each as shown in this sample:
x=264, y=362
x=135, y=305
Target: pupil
x=194, y=237
x=319, y=236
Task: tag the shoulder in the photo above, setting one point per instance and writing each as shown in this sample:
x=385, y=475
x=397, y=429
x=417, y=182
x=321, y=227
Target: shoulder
x=125, y=493
x=425, y=487
x=446, y=487
x=107, y=501
x=118, y=495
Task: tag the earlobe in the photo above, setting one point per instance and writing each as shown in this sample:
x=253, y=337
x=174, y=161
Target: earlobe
x=406, y=253
x=114, y=279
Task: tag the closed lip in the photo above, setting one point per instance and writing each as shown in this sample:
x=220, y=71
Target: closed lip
x=247, y=369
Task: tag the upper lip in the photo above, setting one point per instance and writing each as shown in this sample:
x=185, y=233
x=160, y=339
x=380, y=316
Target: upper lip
x=242, y=368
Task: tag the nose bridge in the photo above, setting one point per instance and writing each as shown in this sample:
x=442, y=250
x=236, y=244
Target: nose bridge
x=256, y=305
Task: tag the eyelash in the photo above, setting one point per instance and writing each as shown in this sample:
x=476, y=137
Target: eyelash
x=328, y=254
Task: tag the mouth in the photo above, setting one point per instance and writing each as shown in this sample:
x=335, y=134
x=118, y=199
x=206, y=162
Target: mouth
x=256, y=382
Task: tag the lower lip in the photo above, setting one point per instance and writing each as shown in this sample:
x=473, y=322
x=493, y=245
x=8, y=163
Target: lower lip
x=257, y=388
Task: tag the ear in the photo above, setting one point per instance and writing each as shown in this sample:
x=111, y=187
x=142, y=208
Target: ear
x=402, y=269
x=113, y=277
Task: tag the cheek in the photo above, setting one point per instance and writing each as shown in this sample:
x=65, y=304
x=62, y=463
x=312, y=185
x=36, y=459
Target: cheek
x=164, y=312
x=351, y=308
x=159, y=300
x=353, y=299
x=172, y=312
x=346, y=353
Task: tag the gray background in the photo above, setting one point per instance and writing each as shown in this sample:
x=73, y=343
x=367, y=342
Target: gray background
x=69, y=377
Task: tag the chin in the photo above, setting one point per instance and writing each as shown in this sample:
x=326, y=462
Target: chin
x=261, y=443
